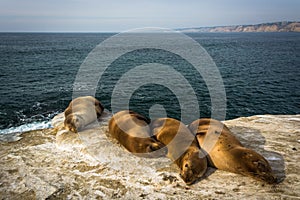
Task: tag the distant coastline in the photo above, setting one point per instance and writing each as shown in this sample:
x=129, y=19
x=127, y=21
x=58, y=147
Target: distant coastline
x=285, y=26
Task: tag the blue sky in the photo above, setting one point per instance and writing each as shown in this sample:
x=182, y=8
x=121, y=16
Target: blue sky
x=121, y=15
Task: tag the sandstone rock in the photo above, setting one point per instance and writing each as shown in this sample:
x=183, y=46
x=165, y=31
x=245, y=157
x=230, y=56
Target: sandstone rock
x=46, y=165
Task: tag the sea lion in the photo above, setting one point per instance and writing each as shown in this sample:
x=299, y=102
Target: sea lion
x=228, y=153
x=81, y=112
x=183, y=148
x=132, y=131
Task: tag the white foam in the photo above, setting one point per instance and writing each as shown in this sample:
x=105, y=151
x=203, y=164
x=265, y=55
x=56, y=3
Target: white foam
x=273, y=158
x=294, y=119
x=27, y=127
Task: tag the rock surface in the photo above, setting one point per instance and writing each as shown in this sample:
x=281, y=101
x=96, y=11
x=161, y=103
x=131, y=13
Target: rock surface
x=55, y=164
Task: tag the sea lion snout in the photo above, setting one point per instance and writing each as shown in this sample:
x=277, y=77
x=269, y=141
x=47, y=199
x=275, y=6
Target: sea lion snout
x=194, y=167
x=250, y=163
x=259, y=168
x=72, y=123
x=269, y=178
x=187, y=174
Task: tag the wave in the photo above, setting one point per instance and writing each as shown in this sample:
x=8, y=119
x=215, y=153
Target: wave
x=27, y=127
x=44, y=124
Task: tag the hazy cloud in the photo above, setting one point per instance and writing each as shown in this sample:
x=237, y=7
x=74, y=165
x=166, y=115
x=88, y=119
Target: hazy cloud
x=118, y=15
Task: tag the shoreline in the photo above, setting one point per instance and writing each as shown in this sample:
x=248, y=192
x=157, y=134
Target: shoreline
x=7, y=133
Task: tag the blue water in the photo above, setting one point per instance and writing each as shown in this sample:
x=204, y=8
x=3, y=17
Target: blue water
x=260, y=71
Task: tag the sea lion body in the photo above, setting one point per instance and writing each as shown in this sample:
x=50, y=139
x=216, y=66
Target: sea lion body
x=182, y=146
x=228, y=153
x=81, y=112
x=132, y=131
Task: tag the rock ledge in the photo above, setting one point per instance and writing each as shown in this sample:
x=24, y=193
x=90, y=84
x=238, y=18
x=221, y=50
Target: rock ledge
x=37, y=167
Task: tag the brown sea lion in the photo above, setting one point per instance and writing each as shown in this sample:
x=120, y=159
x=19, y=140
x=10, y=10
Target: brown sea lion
x=132, y=131
x=227, y=153
x=81, y=112
x=183, y=148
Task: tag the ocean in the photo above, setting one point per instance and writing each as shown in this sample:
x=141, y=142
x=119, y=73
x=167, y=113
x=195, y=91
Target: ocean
x=260, y=72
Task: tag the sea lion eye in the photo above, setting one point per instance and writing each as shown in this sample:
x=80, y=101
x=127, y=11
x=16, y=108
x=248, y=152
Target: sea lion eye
x=217, y=132
x=154, y=147
x=186, y=165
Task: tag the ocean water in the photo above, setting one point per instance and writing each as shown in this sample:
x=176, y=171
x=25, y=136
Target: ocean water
x=260, y=71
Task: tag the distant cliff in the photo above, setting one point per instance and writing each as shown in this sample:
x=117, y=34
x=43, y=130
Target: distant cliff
x=265, y=27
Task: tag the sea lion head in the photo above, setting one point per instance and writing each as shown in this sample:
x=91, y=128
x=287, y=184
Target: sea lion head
x=264, y=172
x=255, y=165
x=72, y=123
x=193, y=167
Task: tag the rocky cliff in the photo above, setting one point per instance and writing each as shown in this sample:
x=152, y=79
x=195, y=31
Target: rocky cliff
x=54, y=164
x=265, y=27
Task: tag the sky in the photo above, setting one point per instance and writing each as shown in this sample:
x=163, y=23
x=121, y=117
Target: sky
x=122, y=15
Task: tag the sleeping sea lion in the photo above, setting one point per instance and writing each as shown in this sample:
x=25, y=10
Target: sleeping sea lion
x=228, y=153
x=81, y=112
x=132, y=131
x=183, y=148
